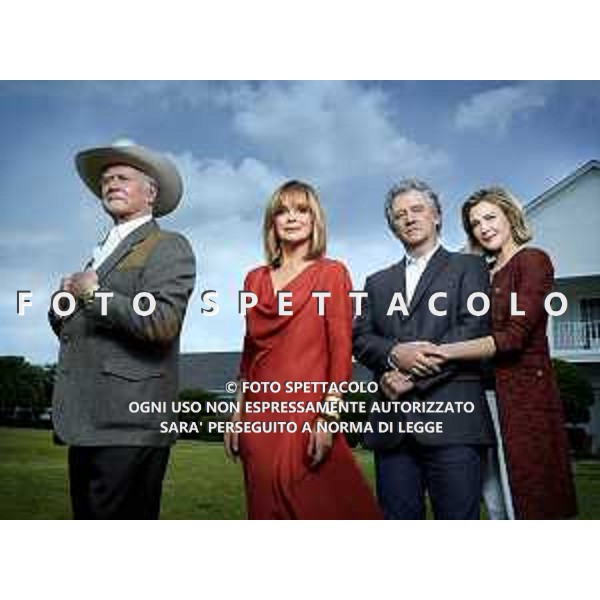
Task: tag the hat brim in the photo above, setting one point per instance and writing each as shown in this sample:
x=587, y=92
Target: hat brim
x=93, y=162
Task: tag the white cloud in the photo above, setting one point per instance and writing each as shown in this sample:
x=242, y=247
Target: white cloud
x=221, y=215
x=495, y=110
x=329, y=131
x=220, y=189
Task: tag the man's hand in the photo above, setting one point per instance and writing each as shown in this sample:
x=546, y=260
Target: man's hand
x=82, y=282
x=394, y=384
x=417, y=358
x=319, y=444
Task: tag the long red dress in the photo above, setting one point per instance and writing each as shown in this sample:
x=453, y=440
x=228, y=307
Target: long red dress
x=531, y=413
x=305, y=347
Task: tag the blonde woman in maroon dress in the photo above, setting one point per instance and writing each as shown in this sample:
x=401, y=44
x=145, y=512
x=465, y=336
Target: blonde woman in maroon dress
x=530, y=409
x=296, y=474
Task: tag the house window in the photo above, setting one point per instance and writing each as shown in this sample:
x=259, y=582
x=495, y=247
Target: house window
x=590, y=319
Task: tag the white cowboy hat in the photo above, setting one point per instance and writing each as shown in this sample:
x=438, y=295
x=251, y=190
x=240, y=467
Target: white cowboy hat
x=91, y=164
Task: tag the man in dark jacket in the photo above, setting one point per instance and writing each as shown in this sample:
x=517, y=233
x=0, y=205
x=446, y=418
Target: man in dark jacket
x=432, y=440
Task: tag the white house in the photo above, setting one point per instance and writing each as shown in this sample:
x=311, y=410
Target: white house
x=566, y=223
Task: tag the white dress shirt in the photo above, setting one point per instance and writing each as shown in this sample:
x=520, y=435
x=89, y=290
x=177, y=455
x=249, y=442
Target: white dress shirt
x=415, y=266
x=115, y=236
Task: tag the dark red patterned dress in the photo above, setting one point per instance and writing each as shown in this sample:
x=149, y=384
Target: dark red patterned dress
x=531, y=413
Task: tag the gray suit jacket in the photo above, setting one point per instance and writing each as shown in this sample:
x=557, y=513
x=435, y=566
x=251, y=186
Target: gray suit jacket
x=375, y=333
x=106, y=362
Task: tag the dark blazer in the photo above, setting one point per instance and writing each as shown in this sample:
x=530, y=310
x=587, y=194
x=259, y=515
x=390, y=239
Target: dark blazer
x=375, y=333
x=106, y=362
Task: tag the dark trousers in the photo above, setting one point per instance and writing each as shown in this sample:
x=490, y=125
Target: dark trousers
x=116, y=482
x=451, y=475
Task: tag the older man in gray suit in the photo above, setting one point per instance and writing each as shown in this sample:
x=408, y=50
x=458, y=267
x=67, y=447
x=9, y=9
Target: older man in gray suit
x=114, y=350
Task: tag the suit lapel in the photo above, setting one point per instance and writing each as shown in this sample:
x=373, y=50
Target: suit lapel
x=399, y=278
x=125, y=247
x=88, y=264
x=436, y=264
x=398, y=284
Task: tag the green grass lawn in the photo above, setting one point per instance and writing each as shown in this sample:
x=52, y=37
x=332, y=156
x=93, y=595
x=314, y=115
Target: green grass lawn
x=200, y=483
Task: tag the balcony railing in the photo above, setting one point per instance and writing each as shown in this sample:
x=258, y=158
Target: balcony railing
x=576, y=335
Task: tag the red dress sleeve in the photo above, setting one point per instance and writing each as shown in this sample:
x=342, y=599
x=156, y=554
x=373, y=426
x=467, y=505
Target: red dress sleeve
x=534, y=282
x=338, y=322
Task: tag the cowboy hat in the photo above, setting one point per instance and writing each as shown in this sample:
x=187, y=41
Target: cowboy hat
x=92, y=163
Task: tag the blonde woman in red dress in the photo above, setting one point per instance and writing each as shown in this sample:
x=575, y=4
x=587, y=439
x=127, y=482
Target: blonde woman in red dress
x=310, y=474
x=530, y=409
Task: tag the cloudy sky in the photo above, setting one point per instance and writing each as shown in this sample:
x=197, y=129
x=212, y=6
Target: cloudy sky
x=236, y=141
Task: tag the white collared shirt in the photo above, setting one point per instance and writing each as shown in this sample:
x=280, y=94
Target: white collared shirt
x=115, y=236
x=415, y=266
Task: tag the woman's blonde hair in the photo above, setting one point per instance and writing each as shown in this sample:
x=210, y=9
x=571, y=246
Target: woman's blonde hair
x=508, y=204
x=290, y=189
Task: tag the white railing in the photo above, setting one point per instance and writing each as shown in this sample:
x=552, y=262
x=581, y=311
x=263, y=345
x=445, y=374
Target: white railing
x=576, y=335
